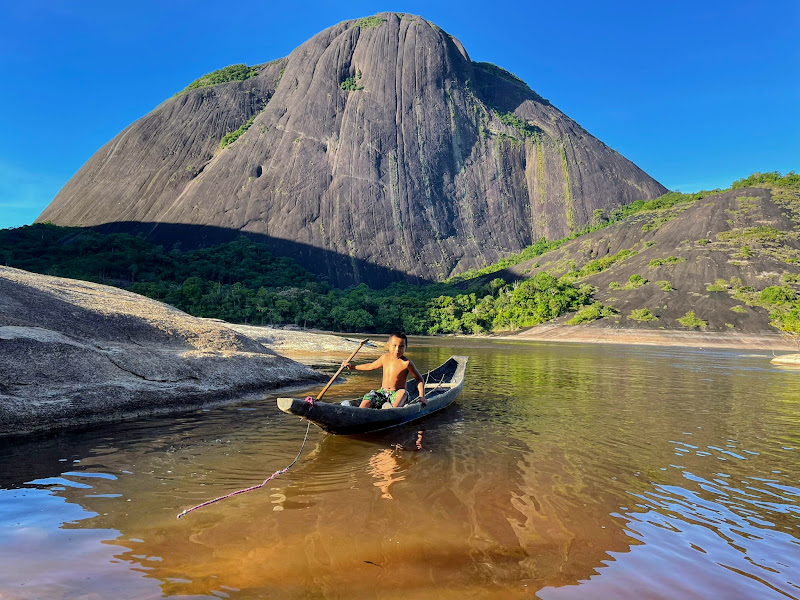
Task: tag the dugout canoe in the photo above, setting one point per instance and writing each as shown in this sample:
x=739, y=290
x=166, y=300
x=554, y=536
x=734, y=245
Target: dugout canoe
x=443, y=385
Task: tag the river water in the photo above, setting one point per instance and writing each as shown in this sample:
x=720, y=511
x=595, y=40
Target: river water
x=562, y=471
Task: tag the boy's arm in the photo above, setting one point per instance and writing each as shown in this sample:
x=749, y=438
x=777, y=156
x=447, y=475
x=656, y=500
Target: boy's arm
x=420, y=382
x=377, y=364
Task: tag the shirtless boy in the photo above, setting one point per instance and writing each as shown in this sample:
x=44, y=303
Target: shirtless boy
x=396, y=368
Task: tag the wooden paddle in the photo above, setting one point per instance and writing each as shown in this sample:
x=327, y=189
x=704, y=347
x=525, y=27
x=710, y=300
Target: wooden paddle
x=330, y=383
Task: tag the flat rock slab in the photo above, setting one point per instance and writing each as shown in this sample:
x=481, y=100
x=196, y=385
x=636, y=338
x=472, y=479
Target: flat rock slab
x=304, y=342
x=73, y=352
x=551, y=332
x=787, y=359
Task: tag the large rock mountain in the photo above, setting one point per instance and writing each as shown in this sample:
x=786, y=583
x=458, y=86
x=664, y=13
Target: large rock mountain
x=378, y=151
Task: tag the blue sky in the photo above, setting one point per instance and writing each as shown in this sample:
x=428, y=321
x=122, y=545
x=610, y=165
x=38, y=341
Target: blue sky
x=696, y=93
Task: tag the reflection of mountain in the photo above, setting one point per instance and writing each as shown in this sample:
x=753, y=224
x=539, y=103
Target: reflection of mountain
x=565, y=469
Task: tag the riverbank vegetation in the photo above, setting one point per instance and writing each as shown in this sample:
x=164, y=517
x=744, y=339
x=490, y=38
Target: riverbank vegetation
x=241, y=281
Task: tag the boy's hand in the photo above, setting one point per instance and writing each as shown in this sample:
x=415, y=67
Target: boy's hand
x=423, y=400
x=348, y=365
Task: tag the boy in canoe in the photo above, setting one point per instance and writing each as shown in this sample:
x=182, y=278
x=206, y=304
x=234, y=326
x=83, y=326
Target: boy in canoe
x=396, y=368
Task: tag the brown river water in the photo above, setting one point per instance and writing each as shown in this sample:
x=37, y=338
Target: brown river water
x=562, y=471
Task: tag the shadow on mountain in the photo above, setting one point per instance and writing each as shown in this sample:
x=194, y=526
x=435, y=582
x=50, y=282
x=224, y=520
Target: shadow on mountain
x=341, y=270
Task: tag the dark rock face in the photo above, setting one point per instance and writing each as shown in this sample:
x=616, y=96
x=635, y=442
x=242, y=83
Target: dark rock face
x=382, y=145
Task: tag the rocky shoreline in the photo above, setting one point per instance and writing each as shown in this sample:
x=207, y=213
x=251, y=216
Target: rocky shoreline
x=74, y=353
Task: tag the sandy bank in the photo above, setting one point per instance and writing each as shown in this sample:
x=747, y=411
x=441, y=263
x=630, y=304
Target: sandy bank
x=693, y=339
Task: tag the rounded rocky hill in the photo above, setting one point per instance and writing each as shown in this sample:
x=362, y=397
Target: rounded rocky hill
x=375, y=151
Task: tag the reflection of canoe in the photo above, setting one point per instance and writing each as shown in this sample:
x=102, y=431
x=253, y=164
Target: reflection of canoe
x=442, y=386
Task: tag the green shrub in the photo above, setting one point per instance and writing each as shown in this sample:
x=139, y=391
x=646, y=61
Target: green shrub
x=642, y=314
x=665, y=286
x=753, y=235
x=788, y=322
x=635, y=281
x=738, y=309
x=656, y=223
x=614, y=285
x=720, y=285
x=592, y=312
x=601, y=264
x=790, y=180
x=691, y=321
x=791, y=277
x=238, y=72
x=668, y=260
x=703, y=241
x=524, y=127
x=370, y=22
x=776, y=294
x=232, y=136
x=351, y=83
x=500, y=72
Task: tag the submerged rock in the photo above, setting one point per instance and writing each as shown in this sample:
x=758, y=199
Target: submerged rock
x=73, y=352
x=787, y=359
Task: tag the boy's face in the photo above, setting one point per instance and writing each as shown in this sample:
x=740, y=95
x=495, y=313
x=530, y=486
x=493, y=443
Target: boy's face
x=396, y=347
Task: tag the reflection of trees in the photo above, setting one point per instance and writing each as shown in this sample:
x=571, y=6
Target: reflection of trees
x=534, y=477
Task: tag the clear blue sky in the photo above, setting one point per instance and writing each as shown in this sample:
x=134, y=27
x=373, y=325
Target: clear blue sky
x=696, y=93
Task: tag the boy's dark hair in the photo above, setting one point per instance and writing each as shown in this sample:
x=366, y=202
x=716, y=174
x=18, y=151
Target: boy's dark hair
x=400, y=336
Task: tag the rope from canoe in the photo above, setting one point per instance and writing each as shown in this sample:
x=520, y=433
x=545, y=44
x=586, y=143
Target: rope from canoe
x=311, y=401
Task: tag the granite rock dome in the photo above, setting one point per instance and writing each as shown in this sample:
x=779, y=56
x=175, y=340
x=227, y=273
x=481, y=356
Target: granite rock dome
x=377, y=151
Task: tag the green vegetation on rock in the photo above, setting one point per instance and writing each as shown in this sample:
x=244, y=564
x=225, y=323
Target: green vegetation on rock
x=753, y=235
x=665, y=286
x=351, y=84
x=668, y=260
x=370, y=22
x=691, y=321
x=642, y=314
x=500, y=72
x=232, y=136
x=525, y=128
x=238, y=72
x=241, y=281
x=635, y=281
x=772, y=178
x=592, y=312
x=720, y=285
x=776, y=294
x=601, y=264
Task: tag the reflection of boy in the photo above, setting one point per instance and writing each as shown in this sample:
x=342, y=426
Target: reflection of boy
x=396, y=368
